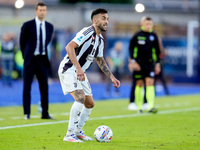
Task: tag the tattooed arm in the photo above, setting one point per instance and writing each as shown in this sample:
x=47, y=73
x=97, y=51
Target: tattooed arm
x=104, y=67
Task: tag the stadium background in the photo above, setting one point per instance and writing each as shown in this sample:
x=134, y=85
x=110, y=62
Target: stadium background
x=171, y=20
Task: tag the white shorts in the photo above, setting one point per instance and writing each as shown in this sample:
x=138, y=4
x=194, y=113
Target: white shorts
x=69, y=83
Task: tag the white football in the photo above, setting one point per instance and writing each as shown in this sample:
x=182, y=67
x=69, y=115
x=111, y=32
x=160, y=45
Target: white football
x=103, y=134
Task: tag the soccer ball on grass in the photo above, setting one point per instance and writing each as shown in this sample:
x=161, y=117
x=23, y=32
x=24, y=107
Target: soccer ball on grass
x=103, y=134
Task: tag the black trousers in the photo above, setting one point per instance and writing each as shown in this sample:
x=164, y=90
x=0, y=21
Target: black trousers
x=40, y=68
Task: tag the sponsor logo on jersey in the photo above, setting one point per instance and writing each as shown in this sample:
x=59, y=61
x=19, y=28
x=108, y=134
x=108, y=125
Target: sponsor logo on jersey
x=141, y=42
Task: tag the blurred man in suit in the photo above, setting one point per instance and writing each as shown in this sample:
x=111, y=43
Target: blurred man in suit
x=34, y=37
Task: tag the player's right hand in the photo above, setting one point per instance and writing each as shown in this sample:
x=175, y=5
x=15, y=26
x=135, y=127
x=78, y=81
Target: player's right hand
x=80, y=74
x=134, y=66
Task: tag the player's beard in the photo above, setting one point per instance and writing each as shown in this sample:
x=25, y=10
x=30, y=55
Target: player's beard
x=102, y=28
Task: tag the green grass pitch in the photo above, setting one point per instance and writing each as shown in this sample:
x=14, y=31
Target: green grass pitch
x=175, y=127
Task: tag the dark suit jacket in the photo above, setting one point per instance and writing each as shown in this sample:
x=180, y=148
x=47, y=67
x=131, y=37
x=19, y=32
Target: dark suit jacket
x=28, y=38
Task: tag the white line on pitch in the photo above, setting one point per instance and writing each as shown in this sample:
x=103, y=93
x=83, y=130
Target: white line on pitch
x=37, y=116
x=105, y=117
x=165, y=105
x=176, y=104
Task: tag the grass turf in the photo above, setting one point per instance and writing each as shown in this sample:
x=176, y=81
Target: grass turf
x=175, y=127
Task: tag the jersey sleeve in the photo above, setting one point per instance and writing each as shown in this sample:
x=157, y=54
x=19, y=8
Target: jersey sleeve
x=157, y=48
x=131, y=47
x=80, y=37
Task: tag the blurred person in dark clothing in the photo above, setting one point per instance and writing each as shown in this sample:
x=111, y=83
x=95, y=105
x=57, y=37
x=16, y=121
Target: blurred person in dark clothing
x=8, y=48
x=34, y=38
x=132, y=105
x=144, y=62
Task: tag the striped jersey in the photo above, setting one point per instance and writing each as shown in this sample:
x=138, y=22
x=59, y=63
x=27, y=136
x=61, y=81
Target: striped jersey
x=89, y=47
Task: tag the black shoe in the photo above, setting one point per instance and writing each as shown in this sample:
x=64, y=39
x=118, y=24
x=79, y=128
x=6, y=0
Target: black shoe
x=27, y=116
x=140, y=111
x=153, y=111
x=47, y=117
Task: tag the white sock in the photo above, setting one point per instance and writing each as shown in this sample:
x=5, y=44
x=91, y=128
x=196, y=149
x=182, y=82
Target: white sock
x=74, y=116
x=85, y=113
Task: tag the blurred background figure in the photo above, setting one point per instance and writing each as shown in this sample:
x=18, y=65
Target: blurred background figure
x=35, y=36
x=144, y=61
x=8, y=48
x=55, y=55
x=115, y=60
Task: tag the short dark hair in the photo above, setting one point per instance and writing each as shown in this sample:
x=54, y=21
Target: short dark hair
x=98, y=11
x=148, y=18
x=144, y=18
x=39, y=4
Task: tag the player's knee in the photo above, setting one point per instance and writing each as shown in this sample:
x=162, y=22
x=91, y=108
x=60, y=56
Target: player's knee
x=150, y=83
x=90, y=105
x=140, y=83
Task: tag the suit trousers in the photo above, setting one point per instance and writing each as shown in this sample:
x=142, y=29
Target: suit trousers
x=40, y=68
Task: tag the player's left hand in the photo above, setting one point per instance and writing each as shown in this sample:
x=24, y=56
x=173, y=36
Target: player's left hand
x=116, y=83
x=157, y=69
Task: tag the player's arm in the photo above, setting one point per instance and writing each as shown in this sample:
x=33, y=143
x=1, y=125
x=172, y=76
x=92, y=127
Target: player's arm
x=157, y=68
x=133, y=65
x=104, y=67
x=70, y=48
x=23, y=38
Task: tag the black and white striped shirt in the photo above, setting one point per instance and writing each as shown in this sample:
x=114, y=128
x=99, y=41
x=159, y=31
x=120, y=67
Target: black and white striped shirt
x=89, y=47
